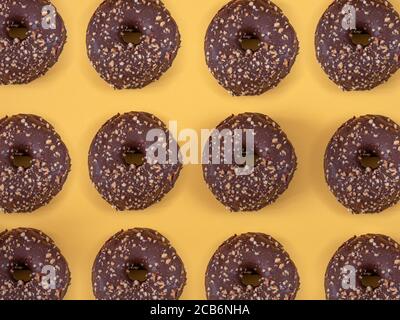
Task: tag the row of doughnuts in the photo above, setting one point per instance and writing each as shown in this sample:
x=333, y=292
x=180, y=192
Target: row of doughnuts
x=361, y=164
x=240, y=67
x=250, y=266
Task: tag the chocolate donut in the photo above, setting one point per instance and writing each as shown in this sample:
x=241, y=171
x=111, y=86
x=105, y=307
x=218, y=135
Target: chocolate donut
x=48, y=276
x=250, y=71
x=24, y=187
x=369, y=61
x=126, y=185
x=131, y=65
x=365, y=268
x=135, y=249
x=30, y=55
x=257, y=254
x=274, y=163
x=362, y=185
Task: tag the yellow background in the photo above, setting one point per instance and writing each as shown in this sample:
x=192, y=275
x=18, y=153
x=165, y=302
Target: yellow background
x=307, y=219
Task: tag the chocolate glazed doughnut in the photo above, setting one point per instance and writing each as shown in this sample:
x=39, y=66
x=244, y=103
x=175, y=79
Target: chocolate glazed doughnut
x=362, y=164
x=129, y=65
x=134, y=249
x=359, y=64
x=365, y=268
x=24, y=60
x=33, y=251
x=250, y=71
x=274, y=164
x=257, y=254
x=27, y=185
x=120, y=167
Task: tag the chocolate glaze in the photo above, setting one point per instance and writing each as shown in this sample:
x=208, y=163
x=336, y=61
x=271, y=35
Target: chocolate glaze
x=363, y=189
x=125, y=65
x=275, y=164
x=148, y=249
x=371, y=254
x=31, y=249
x=129, y=186
x=22, y=61
x=244, y=72
x=251, y=252
x=25, y=190
x=354, y=66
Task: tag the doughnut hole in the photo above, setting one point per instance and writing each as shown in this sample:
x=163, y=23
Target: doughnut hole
x=133, y=156
x=131, y=35
x=250, y=277
x=21, y=159
x=17, y=30
x=137, y=273
x=250, y=42
x=370, y=280
x=20, y=272
x=360, y=38
x=369, y=160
